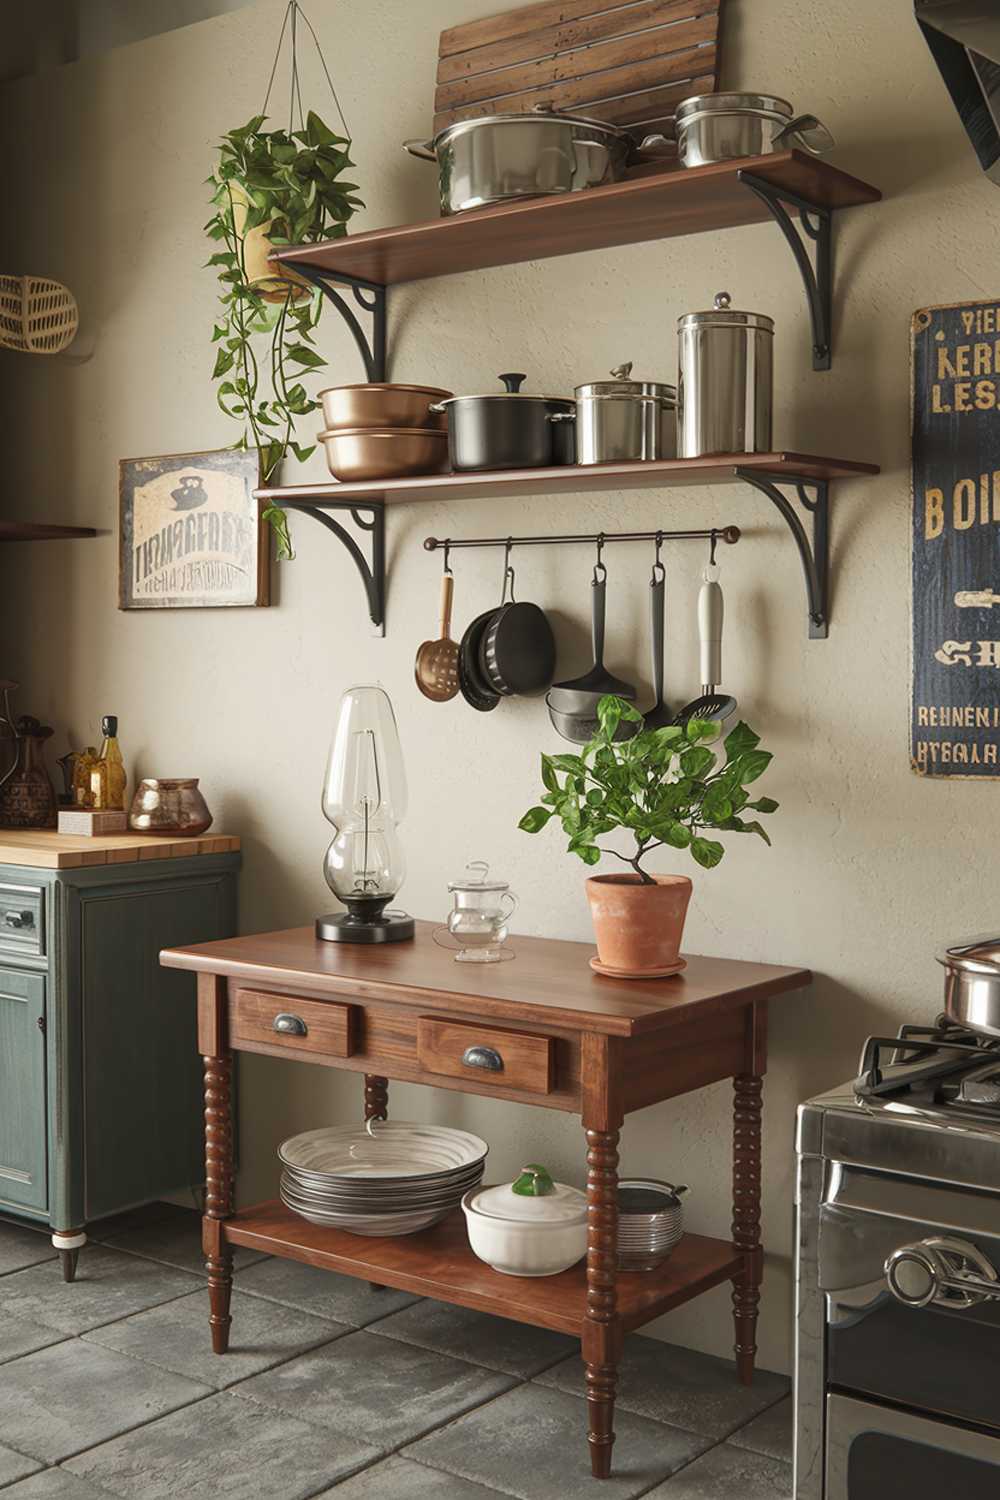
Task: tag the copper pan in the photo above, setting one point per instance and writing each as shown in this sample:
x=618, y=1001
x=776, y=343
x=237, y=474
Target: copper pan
x=360, y=453
x=383, y=406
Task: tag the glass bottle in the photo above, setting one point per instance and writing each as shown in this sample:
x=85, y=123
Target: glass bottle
x=108, y=777
x=86, y=760
x=27, y=797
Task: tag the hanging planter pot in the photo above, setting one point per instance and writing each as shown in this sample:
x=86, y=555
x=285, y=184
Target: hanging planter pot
x=274, y=282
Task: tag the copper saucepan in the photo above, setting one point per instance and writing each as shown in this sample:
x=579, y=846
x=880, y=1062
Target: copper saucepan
x=383, y=406
x=354, y=454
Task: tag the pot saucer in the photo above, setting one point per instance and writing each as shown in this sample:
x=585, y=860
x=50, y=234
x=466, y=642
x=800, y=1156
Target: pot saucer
x=600, y=968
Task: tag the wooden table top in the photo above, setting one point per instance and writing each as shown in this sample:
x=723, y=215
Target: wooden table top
x=41, y=849
x=548, y=981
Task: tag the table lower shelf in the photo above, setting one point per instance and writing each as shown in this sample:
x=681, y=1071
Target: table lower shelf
x=439, y=1263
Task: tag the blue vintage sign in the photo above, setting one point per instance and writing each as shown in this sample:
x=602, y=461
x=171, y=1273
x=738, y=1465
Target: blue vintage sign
x=955, y=713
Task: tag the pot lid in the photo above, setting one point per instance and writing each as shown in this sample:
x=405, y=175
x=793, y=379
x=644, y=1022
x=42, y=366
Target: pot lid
x=532, y=1198
x=513, y=381
x=475, y=879
x=622, y=384
x=975, y=955
x=699, y=104
x=547, y=113
x=723, y=315
x=647, y=1195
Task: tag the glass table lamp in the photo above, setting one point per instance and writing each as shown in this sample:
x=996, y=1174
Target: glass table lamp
x=364, y=797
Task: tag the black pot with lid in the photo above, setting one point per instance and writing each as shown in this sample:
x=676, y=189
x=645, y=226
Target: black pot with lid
x=509, y=429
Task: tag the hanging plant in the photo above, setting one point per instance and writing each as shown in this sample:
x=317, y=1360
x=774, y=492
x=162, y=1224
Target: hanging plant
x=273, y=188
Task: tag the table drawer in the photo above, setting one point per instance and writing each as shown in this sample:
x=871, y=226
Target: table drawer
x=489, y=1054
x=288, y=1022
x=22, y=919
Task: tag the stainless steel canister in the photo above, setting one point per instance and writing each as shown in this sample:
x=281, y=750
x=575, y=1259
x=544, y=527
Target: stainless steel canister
x=725, y=381
x=622, y=420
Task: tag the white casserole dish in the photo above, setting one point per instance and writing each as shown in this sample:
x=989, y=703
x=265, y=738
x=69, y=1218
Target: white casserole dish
x=530, y=1227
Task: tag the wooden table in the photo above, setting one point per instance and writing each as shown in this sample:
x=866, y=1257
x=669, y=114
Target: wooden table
x=567, y=1039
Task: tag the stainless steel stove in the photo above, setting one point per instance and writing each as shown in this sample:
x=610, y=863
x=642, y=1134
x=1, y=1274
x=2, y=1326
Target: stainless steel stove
x=898, y=1274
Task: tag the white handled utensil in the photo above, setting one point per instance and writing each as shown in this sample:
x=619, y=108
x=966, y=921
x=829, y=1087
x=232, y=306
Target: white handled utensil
x=976, y=598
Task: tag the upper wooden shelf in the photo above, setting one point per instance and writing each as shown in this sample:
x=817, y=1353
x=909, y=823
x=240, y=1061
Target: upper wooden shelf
x=572, y=479
x=36, y=531
x=654, y=207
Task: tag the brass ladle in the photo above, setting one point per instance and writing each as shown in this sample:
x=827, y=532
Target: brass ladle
x=436, y=667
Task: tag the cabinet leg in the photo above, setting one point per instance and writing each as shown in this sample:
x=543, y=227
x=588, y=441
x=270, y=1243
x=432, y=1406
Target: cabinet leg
x=376, y=1097
x=602, y=1332
x=69, y=1243
x=218, y=1195
x=747, y=1104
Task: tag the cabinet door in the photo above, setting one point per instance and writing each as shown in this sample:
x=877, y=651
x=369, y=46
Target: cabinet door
x=23, y=1178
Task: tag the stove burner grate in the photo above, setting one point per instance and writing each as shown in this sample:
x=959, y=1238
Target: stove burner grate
x=923, y=1054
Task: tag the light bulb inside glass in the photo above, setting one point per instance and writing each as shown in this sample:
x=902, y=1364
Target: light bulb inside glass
x=364, y=797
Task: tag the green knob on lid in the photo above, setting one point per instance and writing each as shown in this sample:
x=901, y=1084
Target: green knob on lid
x=534, y=1182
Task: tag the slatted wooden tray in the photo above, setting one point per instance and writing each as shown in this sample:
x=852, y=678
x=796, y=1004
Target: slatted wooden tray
x=627, y=63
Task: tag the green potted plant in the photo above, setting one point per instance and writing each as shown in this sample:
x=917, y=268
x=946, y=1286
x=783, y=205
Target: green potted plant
x=665, y=788
x=272, y=188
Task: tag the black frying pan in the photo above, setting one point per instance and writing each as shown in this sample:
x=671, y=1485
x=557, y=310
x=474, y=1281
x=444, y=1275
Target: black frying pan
x=517, y=651
x=474, y=688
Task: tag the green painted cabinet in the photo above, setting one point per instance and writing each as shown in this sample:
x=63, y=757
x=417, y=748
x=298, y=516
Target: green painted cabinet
x=100, y=1080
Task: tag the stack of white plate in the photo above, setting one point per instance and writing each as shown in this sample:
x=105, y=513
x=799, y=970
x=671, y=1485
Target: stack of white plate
x=396, y=1179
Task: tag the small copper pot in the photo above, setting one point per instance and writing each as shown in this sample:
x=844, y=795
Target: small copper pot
x=360, y=453
x=171, y=805
x=374, y=405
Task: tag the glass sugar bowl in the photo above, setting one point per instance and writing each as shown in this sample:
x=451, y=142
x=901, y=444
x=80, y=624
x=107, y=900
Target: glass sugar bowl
x=478, y=921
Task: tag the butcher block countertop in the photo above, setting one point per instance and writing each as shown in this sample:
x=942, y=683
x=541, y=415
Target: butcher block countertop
x=42, y=850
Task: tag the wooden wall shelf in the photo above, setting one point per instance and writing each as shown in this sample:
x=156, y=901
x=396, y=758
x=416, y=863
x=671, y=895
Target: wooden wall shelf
x=36, y=531
x=678, y=202
x=807, y=475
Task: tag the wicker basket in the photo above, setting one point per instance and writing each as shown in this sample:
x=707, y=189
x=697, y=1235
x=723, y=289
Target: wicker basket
x=37, y=315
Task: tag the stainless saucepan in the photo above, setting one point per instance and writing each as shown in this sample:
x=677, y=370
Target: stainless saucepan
x=972, y=983
x=721, y=127
x=495, y=158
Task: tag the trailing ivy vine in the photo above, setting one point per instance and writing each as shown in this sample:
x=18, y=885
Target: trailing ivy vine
x=287, y=184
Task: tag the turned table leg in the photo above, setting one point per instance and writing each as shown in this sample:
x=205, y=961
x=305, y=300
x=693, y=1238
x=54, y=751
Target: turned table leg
x=376, y=1097
x=602, y=1334
x=218, y=1195
x=747, y=1104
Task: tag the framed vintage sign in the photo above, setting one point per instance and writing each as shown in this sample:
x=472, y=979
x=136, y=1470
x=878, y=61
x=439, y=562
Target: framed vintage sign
x=955, y=709
x=190, y=533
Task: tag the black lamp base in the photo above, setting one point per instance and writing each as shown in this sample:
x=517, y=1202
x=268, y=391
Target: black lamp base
x=345, y=927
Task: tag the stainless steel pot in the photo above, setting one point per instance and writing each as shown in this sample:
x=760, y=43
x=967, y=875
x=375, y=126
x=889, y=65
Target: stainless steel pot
x=623, y=420
x=721, y=127
x=494, y=158
x=508, y=430
x=972, y=983
x=724, y=382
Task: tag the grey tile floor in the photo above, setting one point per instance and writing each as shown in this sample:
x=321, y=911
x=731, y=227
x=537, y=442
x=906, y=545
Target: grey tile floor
x=108, y=1387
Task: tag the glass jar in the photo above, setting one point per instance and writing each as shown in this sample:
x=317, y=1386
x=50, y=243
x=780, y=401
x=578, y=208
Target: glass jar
x=479, y=918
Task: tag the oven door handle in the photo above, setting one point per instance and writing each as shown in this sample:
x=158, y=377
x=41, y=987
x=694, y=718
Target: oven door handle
x=941, y=1271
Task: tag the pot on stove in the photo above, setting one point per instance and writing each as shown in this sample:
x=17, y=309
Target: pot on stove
x=972, y=983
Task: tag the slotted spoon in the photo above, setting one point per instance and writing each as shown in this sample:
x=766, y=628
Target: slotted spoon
x=436, y=666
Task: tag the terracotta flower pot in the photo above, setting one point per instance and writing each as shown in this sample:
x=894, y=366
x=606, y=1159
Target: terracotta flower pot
x=638, y=927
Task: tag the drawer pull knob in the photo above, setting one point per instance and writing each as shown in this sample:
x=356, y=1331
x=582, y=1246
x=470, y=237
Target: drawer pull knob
x=486, y=1058
x=290, y=1025
x=19, y=918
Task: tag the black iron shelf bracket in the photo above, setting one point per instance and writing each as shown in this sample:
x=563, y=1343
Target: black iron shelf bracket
x=814, y=550
x=371, y=297
x=369, y=518
x=817, y=226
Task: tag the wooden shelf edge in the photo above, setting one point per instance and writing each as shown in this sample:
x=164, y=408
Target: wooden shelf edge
x=636, y=210
x=571, y=478
x=439, y=1263
x=37, y=531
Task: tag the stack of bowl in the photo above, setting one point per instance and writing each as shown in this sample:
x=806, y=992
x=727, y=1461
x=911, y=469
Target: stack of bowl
x=394, y=1179
x=650, y=1222
x=383, y=431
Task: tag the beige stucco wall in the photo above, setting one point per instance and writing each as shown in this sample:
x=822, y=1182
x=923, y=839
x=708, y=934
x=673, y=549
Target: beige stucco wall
x=871, y=868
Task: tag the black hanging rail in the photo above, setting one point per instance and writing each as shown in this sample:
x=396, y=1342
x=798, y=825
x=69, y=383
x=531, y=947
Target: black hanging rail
x=729, y=534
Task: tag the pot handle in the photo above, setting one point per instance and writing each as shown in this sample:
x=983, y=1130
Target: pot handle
x=423, y=149
x=667, y=144
x=560, y=416
x=437, y=407
x=809, y=132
